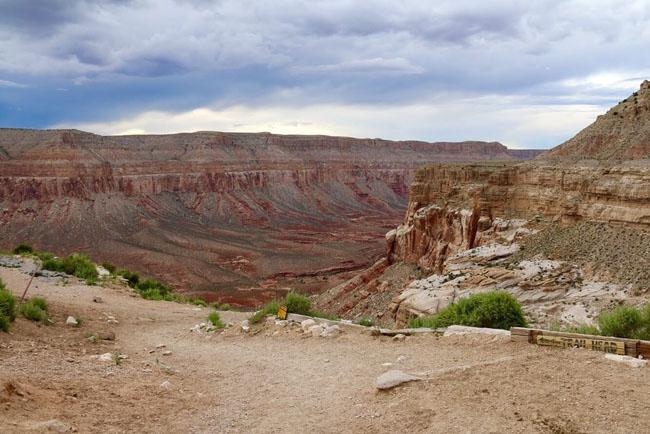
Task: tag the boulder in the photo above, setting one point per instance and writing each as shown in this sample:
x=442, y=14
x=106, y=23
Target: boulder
x=629, y=361
x=394, y=378
x=465, y=330
x=306, y=324
x=316, y=330
x=331, y=331
x=71, y=321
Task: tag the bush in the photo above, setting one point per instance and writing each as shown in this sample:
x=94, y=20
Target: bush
x=495, y=309
x=271, y=308
x=132, y=278
x=224, y=306
x=76, y=265
x=109, y=267
x=214, y=318
x=33, y=310
x=366, y=322
x=23, y=249
x=7, y=308
x=626, y=322
x=297, y=303
x=154, y=290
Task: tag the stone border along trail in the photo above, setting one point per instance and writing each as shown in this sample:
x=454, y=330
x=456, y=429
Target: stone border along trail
x=282, y=380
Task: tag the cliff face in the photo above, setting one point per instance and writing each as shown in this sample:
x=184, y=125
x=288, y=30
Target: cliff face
x=436, y=227
x=214, y=210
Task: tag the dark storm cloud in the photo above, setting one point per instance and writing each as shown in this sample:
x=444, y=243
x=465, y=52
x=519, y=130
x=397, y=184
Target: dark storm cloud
x=117, y=58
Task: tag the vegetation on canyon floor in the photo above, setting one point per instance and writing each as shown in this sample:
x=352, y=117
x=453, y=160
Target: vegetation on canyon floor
x=81, y=266
x=496, y=309
x=215, y=320
x=621, y=322
x=7, y=307
x=35, y=310
x=295, y=303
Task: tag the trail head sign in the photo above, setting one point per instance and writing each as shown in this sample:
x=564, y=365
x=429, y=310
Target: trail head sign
x=282, y=312
x=607, y=346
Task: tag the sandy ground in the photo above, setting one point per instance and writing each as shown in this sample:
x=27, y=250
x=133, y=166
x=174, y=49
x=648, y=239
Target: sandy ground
x=279, y=381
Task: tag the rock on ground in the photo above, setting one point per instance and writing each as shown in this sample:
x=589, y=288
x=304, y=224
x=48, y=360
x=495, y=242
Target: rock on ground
x=630, y=361
x=465, y=330
x=394, y=378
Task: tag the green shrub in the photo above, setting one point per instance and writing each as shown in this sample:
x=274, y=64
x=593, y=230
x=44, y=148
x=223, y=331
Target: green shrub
x=40, y=302
x=271, y=308
x=366, y=322
x=154, y=290
x=7, y=307
x=224, y=306
x=7, y=302
x=33, y=311
x=76, y=265
x=626, y=322
x=132, y=278
x=197, y=302
x=109, y=267
x=214, y=318
x=495, y=309
x=297, y=303
x=23, y=249
x=5, y=323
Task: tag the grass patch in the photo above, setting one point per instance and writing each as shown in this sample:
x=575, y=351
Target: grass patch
x=366, y=322
x=295, y=303
x=7, y=308
x=23, y=249
x=497, y=309
x=215, y=319
x=270, y=308
x=76, y=265
x=223, y=306
x=35, y=310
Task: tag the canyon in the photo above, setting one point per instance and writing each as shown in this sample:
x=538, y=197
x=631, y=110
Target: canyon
x=567, y=233
x=233, y=217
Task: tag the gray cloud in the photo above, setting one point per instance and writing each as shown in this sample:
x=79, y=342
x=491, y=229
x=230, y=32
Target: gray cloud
x=293, y=52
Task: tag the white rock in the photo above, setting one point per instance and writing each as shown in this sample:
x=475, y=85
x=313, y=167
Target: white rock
x=159, y=346
x=281, y=322
x=630, y=361
x=103, y=272
x=53, y=425
x=245, y=326
x=315, y=330
x=306, y=324
x=464, y=330
x=71, y=321
x=401, y=359
x=106, y=357
x=399, y=337
x=166, y=385
x=167, y=353
x=331, y=331
x=393, y=378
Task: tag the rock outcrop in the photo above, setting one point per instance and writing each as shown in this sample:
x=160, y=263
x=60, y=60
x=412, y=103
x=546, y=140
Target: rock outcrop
x=482, y=209
x=211, y=210
x=623, y=133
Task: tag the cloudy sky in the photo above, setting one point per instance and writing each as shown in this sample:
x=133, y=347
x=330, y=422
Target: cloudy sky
x=529, y=74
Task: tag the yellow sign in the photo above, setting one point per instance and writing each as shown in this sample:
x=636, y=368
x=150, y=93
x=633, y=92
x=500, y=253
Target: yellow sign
x=282, y=312
x=604, y=345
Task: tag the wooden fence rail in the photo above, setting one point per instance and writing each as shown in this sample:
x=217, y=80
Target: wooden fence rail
x=628, y=347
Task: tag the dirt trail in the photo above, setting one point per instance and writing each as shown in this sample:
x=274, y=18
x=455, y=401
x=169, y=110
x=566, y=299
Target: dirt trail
x=279, y=381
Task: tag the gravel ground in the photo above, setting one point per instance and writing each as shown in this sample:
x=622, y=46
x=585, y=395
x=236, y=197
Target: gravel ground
x=278, y=380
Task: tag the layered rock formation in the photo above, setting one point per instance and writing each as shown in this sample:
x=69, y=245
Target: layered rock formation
x=212, y=210
x=456, y=208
